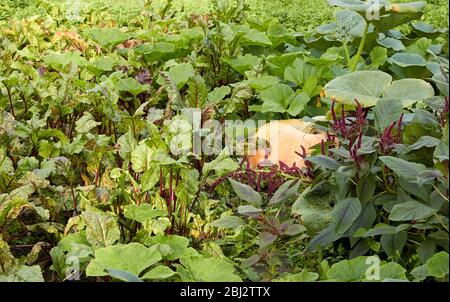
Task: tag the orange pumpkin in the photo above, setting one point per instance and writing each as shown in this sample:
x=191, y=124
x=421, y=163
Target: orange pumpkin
x=285, y=138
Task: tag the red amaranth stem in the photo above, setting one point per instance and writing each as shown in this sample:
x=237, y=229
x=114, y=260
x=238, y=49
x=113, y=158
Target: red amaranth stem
x=343, y=123
x=171, y=192
x=388, y=140
x=161, y=182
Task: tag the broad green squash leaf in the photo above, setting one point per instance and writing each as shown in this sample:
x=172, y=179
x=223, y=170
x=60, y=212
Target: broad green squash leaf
x=200, y=269
x=261, y=83
x=159, y=273
x=123, y=275
x=349, y=25
x=276, y=98
x=298, y=104
x=419, y=47
x=300, y=71
x=60, y=61
x=427, y=30
x=133, y=257
x=360, y=269
x=390, y=15
x=392, y=270
x=242, y=63
x=245, y=192
x=378, y=56
x=365, y=86
x=101, y=65
x=255, y=37
x=72, y=239
x=108, y=37
x=369, y=86
x=409, y=91
x=406, y=8
x=349, y=270
x=407, y=60
x=355, y=5
x=178, y=245
x=71, y=252
x=420, y=273
x=278, y=34
x=158, y=51
x=390, y=42
x=102, y=229
x=278, y=64
x=437, y=266
x=362, y=6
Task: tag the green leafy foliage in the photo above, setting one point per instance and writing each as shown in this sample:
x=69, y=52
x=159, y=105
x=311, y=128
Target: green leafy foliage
x=368, y=87
x=133, y=258
x=102, y=115
x=200, y=269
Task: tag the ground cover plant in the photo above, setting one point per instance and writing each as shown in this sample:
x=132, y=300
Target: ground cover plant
x=100, y=112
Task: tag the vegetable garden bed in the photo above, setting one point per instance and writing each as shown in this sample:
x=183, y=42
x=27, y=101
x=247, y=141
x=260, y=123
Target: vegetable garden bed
x=134, y=148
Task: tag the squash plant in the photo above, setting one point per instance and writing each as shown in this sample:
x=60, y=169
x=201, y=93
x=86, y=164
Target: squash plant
x=381, y=17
